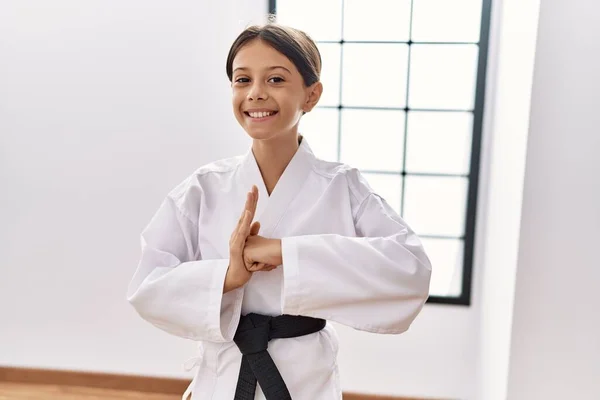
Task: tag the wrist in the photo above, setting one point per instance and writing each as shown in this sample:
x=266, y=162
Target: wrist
x=277, y=256
x=231, y=281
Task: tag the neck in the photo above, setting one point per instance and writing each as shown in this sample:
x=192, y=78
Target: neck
x=273, y=156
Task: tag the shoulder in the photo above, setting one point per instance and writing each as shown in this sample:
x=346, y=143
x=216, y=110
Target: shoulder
x=189, y=194
x=344, y=174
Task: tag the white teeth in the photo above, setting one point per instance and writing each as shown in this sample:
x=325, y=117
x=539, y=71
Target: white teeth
x=260, y=114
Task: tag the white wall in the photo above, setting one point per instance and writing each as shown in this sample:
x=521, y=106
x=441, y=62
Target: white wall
x=555, y=352
x=105, y=106
x=514, y=31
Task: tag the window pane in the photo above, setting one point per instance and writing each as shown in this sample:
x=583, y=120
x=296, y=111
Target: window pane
x=446, y=21
x=330, y=73
x=321, y=20
x=443, y=76
x=388, y=186
x=379, y=20
x=320, y=127
x=439, y=142
x=373, y=139
x=446, y=257
x=436, y=206
x=375, y=75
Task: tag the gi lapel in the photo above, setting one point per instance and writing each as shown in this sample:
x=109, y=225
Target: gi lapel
x=270, y=209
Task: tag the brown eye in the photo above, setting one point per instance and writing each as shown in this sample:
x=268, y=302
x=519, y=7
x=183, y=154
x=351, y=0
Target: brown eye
x=276, y=79
x=242, y=80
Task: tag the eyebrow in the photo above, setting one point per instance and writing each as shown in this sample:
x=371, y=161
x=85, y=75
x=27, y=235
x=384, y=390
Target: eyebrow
x=268, y=69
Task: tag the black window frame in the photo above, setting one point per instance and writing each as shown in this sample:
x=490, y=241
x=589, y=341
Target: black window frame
x=465, y=298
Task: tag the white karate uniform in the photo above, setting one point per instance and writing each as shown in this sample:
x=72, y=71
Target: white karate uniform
x=347, y=257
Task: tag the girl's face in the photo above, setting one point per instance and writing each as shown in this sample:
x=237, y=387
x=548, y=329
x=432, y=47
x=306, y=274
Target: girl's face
x=269, y=95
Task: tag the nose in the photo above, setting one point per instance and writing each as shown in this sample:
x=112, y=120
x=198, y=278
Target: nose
x=257, y=91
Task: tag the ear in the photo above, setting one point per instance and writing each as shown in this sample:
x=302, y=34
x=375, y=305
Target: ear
x=314, y=92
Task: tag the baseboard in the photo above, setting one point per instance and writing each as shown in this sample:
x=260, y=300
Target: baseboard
x=94, y=380
x=123, y=382
x=357, y=396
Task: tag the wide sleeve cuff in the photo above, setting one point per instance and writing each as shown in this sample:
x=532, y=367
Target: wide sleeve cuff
x=225, y=308
x=188, y=300
x=291, y=289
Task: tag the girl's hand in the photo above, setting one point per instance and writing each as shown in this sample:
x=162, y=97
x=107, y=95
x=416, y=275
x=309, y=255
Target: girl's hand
x=237, y=273
x=262, y=254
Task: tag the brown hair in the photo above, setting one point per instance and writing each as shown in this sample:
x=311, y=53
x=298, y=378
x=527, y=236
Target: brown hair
x=296, y=45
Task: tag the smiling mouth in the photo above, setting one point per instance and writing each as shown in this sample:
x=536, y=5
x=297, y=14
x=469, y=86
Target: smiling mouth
x=260, y=115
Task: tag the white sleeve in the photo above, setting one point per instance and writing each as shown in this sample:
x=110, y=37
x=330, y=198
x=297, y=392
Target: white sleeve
x=376, y=282
x=177, y=291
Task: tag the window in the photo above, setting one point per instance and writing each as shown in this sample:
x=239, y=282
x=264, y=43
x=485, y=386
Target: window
x=404, y=84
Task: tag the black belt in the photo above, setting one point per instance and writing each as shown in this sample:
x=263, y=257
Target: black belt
x=252, y=338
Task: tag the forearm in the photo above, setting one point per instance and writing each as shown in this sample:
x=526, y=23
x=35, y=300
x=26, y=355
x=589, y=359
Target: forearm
x=275, y=252
x=187, y=301
x=231, y=281
x=375, y=284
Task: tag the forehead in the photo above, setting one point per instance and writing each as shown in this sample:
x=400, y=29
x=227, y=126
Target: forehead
x=257, y=55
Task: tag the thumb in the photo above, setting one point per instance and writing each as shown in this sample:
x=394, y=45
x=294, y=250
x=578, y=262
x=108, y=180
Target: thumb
x=254, y=228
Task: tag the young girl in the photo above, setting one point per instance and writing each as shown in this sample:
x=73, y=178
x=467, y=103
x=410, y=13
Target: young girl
x=323, y=246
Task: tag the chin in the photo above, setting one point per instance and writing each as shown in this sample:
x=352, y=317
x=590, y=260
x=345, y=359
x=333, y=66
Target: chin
x=260, y=134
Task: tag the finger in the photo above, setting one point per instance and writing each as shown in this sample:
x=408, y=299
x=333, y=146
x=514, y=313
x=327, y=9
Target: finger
x=241, y=231
x=249, y=201
x=255, y=228
x=257, y=266
x=250, y=268
x=244, y=228
x=246, y=206
x=255, y=190
x=238, y=237
x=236, y=230
x=253, y=200
x=262, y=267
x=250, y=206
